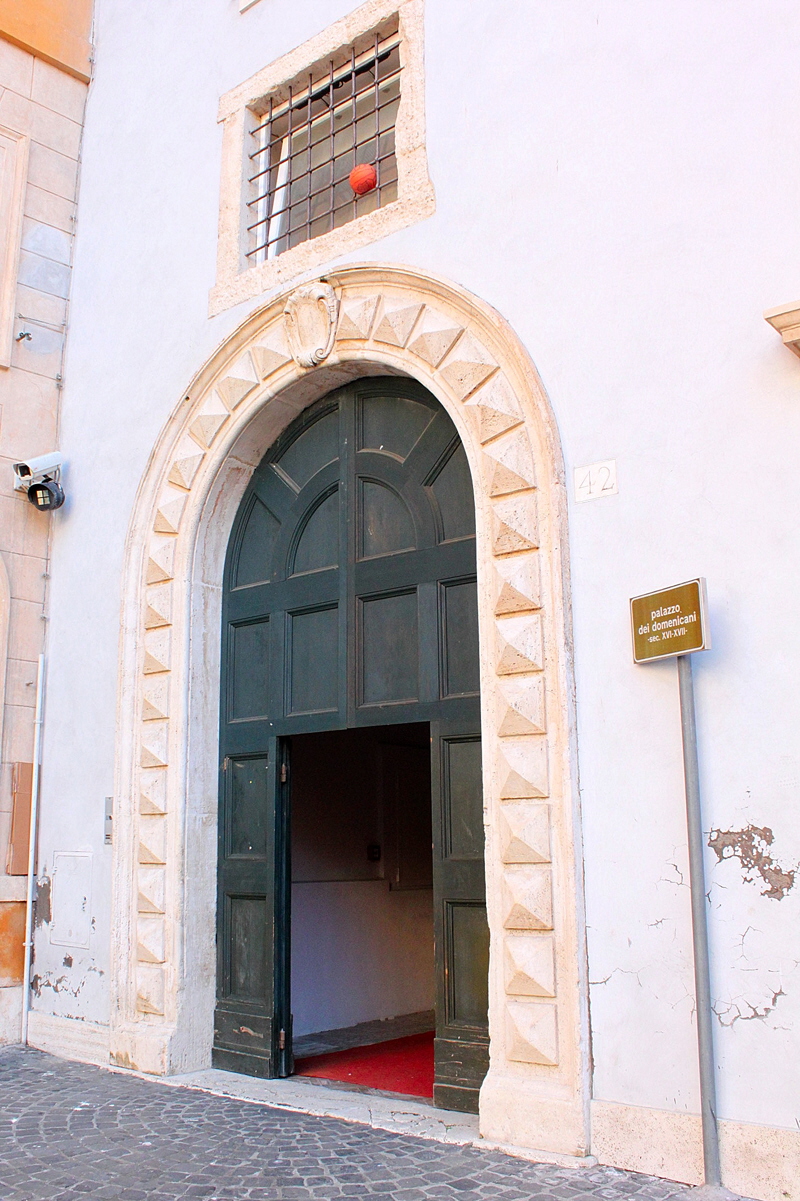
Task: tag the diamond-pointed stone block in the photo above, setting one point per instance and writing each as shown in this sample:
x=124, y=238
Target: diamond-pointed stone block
x=529, y=965
x=525, y=832
x=149, y=988
x=515, y=524
x=520, y=706
x=152, y=840
x=532, y=1032
x=158, y=606
x=153, y=793
x=433, y=337
x=510, y=466
x=527, y=898
x=160, y=561
x=157, y=648
x=185, y=465
x=355, y=319
x=517, y=584
x=271, y=353
x=469, y=366
x=523, y=768
x=151, y=942
x=239, y=383
x=154, y=745
x=497, y=408
x=209, y=421
x=519, y=644
x=155, y=704
x=396, y=323
x=152, y=889
x=169, y=513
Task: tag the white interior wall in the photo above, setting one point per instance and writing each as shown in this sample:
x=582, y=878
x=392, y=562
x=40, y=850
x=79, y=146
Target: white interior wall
x=359, y=953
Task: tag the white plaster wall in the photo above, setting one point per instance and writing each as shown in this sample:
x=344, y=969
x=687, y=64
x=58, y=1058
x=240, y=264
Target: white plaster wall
x=619, y=182
x=360, y=953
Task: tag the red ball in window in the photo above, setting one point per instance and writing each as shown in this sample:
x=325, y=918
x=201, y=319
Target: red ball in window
x=363, y=178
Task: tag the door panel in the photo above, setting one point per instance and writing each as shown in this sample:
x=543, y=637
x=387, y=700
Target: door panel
x=244, y=1028
x=350, y=600
x=318, y=544
x=468, y=965
x=314, y=661
x=462, y=798
x=391, y=424
x=247, y=809
x=451, y=486
x=260, y=529
x=249, y=667
x=461, y=932
x=385, y=524
x=316, y=445
x=459, y=634
x=248, y=943
x=389, y=648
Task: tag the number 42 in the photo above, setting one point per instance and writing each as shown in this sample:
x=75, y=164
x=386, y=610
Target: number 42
x=596, y=480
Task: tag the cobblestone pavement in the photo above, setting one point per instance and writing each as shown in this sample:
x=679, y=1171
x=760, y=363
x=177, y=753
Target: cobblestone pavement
x=72, y=1131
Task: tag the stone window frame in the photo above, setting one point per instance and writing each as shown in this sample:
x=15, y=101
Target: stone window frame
x=237, y=280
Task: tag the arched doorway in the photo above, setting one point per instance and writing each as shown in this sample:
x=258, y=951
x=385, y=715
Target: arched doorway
x=398, y=321
x=350, y=604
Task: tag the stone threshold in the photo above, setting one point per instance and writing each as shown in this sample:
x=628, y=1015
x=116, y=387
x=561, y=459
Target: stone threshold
x=367, y=1107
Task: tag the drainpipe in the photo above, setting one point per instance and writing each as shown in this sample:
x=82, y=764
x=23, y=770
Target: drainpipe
x=37, y=759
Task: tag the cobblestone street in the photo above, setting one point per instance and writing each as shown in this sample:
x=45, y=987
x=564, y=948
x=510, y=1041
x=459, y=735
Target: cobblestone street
x=72, y=1131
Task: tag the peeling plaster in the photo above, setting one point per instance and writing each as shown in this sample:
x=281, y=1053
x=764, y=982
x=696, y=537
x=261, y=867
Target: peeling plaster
x=751, y=847
x=42, y=909
x=61, y=983
x=744, y=1011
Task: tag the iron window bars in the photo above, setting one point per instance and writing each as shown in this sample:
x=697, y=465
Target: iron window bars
x=307, y=145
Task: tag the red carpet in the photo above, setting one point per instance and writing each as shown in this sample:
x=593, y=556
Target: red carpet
x=402, y=1065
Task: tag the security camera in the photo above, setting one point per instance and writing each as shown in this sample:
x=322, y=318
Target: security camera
x=36, y=469
x=39, y=477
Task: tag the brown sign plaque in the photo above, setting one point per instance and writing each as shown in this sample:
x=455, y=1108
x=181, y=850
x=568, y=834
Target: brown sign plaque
x=670, y=622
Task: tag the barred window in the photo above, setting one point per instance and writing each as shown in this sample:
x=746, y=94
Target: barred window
x=306, y=143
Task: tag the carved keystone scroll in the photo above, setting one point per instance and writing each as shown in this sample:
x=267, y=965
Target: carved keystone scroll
x=310, y=315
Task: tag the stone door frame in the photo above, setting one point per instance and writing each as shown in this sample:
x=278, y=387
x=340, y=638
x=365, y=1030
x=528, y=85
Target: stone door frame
x=363, y=320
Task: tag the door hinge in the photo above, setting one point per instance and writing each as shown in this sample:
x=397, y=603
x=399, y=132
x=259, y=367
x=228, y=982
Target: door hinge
x=284, y=773
x=281, y=1040
x=225, y=762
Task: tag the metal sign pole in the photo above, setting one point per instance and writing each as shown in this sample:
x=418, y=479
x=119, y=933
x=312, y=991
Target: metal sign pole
x=702, y=975
x=673, y=623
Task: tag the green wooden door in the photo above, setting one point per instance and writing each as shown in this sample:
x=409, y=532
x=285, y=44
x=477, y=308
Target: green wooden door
x=350, y=600
x=461, y=931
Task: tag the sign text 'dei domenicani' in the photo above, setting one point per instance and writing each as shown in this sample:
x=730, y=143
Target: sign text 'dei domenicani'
x=670, y=622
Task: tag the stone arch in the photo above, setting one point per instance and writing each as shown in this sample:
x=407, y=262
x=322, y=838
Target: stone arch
x=383, y=320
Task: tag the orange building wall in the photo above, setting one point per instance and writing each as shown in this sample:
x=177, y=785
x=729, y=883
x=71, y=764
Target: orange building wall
x=56, y=30
x=12, y=937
